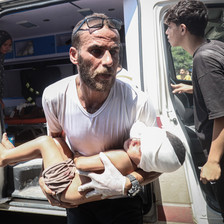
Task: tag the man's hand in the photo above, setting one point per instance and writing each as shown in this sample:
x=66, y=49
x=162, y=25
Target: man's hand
x=110, y=183
x=49, y=195
x=182, y=88
x=211, y=171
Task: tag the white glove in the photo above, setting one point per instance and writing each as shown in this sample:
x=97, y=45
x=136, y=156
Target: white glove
x=110, y=183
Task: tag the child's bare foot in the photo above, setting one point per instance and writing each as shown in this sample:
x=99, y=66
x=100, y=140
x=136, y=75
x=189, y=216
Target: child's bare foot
x=6, y=143
x=2, y=153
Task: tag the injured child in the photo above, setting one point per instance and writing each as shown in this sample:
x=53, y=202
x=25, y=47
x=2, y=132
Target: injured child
x=148, y=148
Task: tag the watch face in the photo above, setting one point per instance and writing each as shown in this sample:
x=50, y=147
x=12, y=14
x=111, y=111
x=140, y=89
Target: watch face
x=135, y=189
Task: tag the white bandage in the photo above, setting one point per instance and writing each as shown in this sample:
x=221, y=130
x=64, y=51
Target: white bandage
x=157, y=153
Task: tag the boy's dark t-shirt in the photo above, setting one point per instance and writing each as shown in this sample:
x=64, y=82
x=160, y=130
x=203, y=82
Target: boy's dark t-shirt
x=208, y=85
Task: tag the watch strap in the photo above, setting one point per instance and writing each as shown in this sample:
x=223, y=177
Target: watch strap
x=135, y=186
x=131, y=177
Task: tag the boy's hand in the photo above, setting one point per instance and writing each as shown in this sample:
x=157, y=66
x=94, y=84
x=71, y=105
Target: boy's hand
x=211, y=171
x=182, y=88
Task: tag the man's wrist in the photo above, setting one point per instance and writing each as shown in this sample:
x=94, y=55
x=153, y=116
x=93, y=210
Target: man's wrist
x=135, y=186
x=127, y=186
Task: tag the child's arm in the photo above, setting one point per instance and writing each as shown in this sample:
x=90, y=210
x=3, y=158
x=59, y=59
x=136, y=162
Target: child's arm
x=119, y=158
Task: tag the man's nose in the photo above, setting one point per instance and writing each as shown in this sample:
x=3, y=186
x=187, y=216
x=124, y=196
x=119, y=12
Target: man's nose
x=107, y=59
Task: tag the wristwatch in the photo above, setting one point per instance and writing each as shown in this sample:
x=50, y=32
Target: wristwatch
x=135, y=186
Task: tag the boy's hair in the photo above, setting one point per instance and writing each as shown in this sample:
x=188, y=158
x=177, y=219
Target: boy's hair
x=192, y=13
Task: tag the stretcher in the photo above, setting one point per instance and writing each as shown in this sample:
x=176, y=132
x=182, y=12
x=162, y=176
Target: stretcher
x=37, y=126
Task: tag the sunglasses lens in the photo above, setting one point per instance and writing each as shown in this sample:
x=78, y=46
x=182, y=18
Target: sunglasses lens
x=95, y=22
x=114, y=23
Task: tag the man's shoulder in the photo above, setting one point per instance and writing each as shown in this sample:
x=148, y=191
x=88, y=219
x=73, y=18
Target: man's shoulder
x=59, y=87
x=128, y=87
x=62, y=83
x=130, y=92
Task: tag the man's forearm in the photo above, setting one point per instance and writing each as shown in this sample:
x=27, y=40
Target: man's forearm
x=58, y=135
x=142, y=177
x=145, y=177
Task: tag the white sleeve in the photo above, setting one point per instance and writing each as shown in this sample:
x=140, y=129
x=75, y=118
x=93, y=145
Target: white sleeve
x=50, y=110
x=147, y=113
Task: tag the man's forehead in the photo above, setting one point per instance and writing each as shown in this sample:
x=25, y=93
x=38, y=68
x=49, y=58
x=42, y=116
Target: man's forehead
x=102, y=36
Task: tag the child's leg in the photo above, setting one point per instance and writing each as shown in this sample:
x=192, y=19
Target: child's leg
x=72, y=196
x=63, y=148
x=43, y=146
x=6, y=143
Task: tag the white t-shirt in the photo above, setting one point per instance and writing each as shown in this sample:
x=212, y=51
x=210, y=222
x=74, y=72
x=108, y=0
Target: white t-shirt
x=124, y=75
x=107, y=128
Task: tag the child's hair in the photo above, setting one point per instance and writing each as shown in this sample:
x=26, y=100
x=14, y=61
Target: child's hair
x=192, y=13
x=177, y=146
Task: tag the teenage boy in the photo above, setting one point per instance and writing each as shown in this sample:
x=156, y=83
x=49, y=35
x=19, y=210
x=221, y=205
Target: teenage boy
x=186, y=22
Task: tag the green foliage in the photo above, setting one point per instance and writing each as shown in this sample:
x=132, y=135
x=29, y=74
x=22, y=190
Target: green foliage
x=181, y=59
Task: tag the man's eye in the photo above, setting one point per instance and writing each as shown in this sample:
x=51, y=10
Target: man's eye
x=97, y=52
x=113, y=52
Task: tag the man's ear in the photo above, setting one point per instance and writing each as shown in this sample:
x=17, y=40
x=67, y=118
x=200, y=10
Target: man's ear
x=73, y=53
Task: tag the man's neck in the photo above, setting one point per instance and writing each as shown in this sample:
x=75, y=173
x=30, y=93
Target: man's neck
x=192, y=43
x=91, y=100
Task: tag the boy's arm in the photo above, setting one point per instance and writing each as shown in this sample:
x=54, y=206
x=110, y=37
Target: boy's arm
x=211, y=171
x=119, y=159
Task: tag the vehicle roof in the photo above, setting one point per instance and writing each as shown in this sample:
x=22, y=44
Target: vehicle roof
x=38, y=17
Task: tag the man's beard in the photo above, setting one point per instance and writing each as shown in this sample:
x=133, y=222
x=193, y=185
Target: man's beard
x=91, y=79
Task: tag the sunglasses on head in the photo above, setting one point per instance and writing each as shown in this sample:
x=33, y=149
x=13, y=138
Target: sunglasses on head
x=96, y=23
